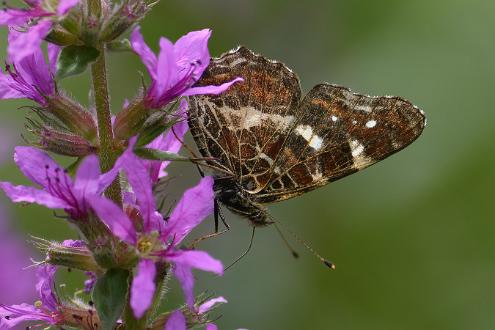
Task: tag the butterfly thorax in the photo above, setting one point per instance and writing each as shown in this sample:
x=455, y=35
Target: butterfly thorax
x=236, y=199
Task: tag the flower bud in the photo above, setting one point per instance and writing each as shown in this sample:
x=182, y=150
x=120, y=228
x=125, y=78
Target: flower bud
x=77, y=119
x=123, y=17
x=64, y=143
x=130, y=120
x=76, y=256
x=61, y=37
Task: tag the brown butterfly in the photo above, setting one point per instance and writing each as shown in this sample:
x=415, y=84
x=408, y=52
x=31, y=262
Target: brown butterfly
x=271, y=144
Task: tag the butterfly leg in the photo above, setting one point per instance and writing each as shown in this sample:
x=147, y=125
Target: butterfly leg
x=217, y=213
x=205, y=237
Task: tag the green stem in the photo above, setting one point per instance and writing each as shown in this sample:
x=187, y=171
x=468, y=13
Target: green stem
x=107, y=152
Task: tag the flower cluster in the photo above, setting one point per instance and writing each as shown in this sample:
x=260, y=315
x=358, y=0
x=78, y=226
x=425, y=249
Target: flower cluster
x=129, y=247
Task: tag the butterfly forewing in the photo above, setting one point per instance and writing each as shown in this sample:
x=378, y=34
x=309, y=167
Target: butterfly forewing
x=251, y=120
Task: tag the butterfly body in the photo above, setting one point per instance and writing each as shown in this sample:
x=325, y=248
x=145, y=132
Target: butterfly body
x=271, y=144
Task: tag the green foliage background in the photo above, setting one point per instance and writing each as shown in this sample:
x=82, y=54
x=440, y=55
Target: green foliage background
x=413, y=237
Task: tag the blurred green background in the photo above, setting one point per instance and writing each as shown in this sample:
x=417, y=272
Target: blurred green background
x=413, y=236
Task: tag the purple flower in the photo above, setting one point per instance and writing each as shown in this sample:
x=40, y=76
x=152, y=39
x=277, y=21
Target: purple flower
x=158, y=240
x=46, y=310
x=177, y=321
x=177, y=67
x=29, y=76
x=170, y=142
x=58, y=191
x=37, y=21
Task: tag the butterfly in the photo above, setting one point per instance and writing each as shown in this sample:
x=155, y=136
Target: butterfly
x=270, y=144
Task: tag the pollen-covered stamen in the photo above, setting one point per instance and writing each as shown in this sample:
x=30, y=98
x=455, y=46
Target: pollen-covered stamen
x=148, y=243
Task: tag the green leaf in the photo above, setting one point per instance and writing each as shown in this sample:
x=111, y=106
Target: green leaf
x=154, y=154
x=74, y=60
x=109, y=296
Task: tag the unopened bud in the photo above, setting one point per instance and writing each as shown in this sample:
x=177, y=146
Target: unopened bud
x=130, y=120
x=77, y=119
x=64, y=143
x=61, y=36
x=122, y=18
x=66, y=255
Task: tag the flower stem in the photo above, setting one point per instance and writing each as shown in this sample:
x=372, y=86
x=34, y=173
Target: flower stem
x=107, y=152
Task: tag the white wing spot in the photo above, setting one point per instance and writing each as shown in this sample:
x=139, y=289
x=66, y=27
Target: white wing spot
x=334, y=119
x=371, y=124
x=316, y=142
x=356, y=148
x=306, y=132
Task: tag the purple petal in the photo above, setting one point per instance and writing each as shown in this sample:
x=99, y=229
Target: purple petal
x=206, y=306
x=65, y=5
x=210, y=89
x=46, y=285
x=195, y=205
x=185, y=277
x=143, y=287
x=87, y=176
x=107, y=178
x=140, y=181
x=25, y=194
x=184, y=261
x=74, y=243
x=211, y=326
x=53, y=53
x=6, y=91
x=36, y=164
x=113, y=216
x=193, y=48
x=196, y=259
x=171, y=142
x=142, y=49
x=14, y=16
x=21, y=313
x=166, y=70
x=176, y=321
x=26, y=43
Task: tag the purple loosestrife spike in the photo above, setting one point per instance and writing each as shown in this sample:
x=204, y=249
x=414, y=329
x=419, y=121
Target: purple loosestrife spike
x=177, y=67
x=37, y=13
x=46, y=310
x=57, y=188
x=159, y=241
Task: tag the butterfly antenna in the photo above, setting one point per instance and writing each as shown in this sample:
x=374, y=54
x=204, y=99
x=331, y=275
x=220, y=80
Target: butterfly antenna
x=286, y=242
x=245, y=252
x=326, y=262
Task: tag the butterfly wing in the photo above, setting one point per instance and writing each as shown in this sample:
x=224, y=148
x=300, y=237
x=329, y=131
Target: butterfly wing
x=339, y=133
x=248, y=122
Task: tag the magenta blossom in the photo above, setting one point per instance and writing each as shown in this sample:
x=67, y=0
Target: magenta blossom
x=177, y=321
x=46, y=310
x=177, y=67
x=58, y=191
x=169, y=142
x=158, y=240
x=29, y=76
x=37, y=21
